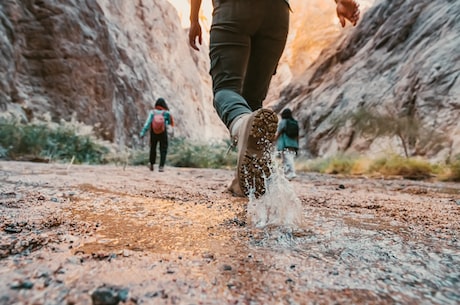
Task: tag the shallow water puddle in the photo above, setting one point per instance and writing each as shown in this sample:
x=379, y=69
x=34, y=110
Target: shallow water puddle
x=159, y=226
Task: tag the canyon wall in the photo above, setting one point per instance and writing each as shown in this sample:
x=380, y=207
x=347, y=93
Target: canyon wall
x=103, y=63
x=401, y=62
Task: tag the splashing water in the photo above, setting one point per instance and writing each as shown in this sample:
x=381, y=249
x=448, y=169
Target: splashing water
x=279, y=206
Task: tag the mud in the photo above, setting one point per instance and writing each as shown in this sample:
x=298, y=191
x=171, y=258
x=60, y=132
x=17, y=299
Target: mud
x=69, y=234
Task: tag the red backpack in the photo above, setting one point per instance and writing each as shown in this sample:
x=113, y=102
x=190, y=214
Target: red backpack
x=158, y=122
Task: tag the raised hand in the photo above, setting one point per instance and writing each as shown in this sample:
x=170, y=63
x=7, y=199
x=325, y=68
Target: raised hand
x=347, y=10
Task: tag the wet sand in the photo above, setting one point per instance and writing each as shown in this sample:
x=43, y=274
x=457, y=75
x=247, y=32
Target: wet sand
x=70, y=233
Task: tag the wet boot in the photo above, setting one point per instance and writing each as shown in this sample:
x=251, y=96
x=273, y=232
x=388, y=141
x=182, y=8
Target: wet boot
x=254, y=133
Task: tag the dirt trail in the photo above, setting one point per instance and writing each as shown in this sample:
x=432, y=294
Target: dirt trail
x=72, y=233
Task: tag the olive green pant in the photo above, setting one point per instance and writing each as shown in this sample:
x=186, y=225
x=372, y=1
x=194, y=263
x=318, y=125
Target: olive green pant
x=247, y=39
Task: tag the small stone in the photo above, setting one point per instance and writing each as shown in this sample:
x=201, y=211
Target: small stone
x=208, y=255
x=12, y=230
x=22, y=285
x=289, y=281
x=108, y=296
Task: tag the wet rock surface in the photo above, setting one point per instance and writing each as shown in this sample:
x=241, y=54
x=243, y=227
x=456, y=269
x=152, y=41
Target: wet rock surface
x=115, y=235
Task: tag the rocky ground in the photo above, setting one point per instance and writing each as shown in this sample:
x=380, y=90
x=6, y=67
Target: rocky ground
x=112, y=234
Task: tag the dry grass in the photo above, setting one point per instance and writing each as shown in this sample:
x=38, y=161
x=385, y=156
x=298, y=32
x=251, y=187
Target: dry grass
x=392, y=165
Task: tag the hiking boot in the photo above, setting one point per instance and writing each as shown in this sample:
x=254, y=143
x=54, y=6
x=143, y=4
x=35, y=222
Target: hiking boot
x=161, y=169
x=255, y=134
x=151, y=167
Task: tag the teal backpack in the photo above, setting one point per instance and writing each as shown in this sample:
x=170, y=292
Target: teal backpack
x=292, y=128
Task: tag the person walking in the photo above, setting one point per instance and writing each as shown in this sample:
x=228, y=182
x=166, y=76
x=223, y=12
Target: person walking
x=287, y=142
x=157, y=121
x=247, y=39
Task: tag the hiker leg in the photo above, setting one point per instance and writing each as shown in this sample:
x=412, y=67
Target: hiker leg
x=290, y=166
x=163, y=148
x=153, y=148
x=267, y=46
x=284, y=162
x=230, y=43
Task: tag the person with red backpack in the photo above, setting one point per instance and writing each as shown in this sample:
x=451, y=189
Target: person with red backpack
x=156, y=122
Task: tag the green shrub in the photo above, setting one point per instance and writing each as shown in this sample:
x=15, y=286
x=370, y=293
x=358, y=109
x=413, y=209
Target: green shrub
x=139, y=157
x=62, y=143
x=453, y=170
x=317, y=165
x=184, y=153
x=340, y=164
x=41, y=141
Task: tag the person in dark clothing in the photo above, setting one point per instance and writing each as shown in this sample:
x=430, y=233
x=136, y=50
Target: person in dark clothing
x=286, y=144
x=160, y=109
x=247, y=38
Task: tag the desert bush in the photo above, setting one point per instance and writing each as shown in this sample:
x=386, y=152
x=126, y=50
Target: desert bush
x=139, y=157
x=40, y=141
x=185, y=153
x=393, y=165
x=452, y=171
x=317, y=165
x=340, y=164
x=409, y=168
x=62, y=143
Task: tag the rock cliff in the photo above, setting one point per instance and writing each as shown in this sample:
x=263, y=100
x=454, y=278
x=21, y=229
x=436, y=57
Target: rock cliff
x=402, y=60
x=103, y=63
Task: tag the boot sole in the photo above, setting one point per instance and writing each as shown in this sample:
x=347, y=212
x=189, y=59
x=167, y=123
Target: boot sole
x=254, y=164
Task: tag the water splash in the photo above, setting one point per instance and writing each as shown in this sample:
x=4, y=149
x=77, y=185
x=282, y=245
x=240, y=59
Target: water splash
x=279, y=206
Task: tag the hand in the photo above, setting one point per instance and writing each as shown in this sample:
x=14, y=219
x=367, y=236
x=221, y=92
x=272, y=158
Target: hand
x=347, y=9
x=170, y=131
x=193, y=34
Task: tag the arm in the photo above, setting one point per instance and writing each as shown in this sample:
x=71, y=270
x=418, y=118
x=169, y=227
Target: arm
x=280, y=129
x=347, y=9
x=195, y=28
x=169, y=119
x=147, y=124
